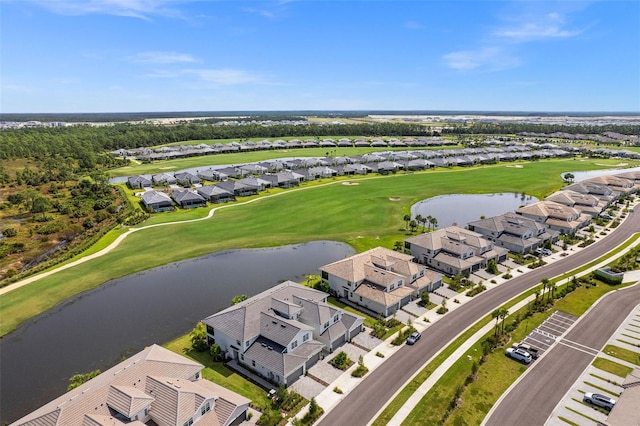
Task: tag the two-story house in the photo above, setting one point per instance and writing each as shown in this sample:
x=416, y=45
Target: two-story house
x=584, y=203
x=454, y=250
x=555, y=216
x=281, y=332
x=380, y=280
x=153, y=387
x=515, y=233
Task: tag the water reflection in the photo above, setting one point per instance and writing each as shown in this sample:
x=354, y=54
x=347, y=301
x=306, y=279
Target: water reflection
x=460, y=209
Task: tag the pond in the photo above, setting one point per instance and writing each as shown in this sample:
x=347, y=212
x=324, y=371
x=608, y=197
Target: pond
x=580, y=176
x=96, y=329
x=460, y=209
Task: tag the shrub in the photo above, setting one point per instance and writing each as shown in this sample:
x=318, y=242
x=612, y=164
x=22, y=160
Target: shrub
x=341, y=361
x=442, y=310
x=9, y=232
x=379, y=354
x=337, y=390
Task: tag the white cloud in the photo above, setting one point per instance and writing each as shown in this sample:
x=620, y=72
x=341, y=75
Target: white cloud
x=220, y=77
x=162, y=57
x=550, y=25
x=17, y=88
x=225, y=76
x=485, y=59
x=143, y=9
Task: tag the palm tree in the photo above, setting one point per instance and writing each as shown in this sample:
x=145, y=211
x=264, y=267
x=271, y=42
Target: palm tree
x=546, y=284
x=504, y=312
x=496, y=315
x=419, y=219
x=434, y=222
x=413, y=225
x=407, y=219
x=430, y=220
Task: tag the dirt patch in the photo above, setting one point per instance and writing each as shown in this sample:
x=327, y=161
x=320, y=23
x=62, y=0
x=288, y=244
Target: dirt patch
x=394, y=198
x=350, y=183
x=613, y=165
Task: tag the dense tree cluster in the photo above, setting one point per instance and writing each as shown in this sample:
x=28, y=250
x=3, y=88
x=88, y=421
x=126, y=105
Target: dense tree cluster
x=514, y=128
x=84, y=143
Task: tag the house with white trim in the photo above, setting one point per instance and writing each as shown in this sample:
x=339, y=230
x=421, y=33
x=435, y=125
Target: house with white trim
x=454, y=250
x=380, y=280
x=155, y=387
x=281, y=332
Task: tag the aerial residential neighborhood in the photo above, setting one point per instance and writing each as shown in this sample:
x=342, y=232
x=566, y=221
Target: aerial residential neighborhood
x=319, y=213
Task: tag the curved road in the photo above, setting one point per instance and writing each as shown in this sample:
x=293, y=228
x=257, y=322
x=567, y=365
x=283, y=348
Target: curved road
x=537, y=394
x=359, y=407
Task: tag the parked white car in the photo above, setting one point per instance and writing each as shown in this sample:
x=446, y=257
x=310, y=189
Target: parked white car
x=599, y=400
x=519, y=355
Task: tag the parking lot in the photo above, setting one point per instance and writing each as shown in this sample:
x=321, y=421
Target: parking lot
x=549, y=331
x=572, y=409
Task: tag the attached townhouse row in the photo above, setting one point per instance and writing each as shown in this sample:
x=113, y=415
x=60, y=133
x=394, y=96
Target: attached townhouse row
x=154, y=387
x=563, y=212
x=282, y=332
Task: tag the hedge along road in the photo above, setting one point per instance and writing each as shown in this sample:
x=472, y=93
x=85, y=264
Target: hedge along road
x=360, y=215
x=378, y=388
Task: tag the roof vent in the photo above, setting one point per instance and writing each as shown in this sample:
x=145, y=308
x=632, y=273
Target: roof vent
x=269, y=348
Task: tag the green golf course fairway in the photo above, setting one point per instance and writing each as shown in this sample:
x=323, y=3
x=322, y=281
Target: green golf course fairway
x=362, y=215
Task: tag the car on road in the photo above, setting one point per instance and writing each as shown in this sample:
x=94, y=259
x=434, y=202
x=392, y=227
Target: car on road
x=599, y=400
x=415, y=336
x=519, y=355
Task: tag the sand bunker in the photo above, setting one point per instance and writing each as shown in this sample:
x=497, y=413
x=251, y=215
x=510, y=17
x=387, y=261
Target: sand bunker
x=515, y=166
x=167, y=167
x=394, y=198
x=613, y=165
x=350, y=183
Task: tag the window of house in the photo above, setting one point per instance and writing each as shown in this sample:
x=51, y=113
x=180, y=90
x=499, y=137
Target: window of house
x=351, y=294
x=253, y=363
x=326, y=324
x=361, y=298
x=238, y=342
x=335, y=318
x=246, y=343
x=294, y=344
x=242, y=357
x=305, y=337
x=198, y=375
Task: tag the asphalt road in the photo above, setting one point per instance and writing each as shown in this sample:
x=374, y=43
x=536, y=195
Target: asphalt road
x=378, y=387
x=550, y=378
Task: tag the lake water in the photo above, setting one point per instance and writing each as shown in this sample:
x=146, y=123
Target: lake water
x=96, y=329
x=460, y=209
x=580, y=176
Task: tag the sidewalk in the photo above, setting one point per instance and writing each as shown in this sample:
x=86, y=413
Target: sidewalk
x=328, y=399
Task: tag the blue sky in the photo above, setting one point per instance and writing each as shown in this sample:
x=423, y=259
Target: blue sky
x=180, y=55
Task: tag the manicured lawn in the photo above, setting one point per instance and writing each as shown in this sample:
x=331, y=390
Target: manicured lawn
x=612, y=367
x=218, y=373
x=361, y=215
x=623, y=354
